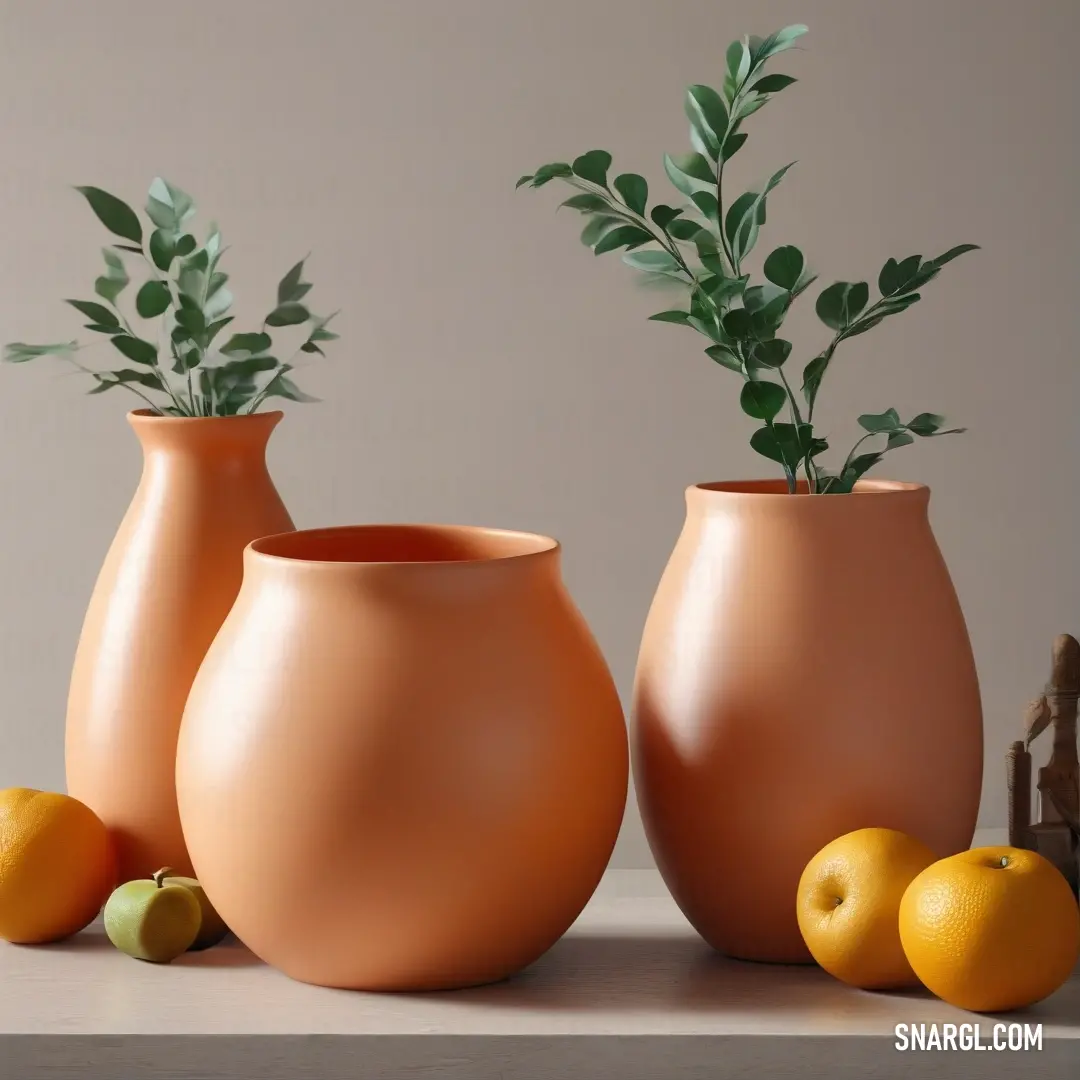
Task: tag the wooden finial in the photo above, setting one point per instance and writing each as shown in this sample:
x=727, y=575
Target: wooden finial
x=1065, y=665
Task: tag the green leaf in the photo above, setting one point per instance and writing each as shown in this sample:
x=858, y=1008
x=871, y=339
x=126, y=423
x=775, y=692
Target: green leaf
x=199, y=262
x=772, y=353
x=762, y=400
x=546, y=173
x=523, y=180
x=282, y=386
x=681, y=318
x=216, y=284
x=772, y=84
x=141, y=352
x=288, y=315
x=736, y=214
x=241, y=370
x=840, y=304
x=587, y=203
x=113, y=213
x=750, y=105
x=926, y=424
x=779, y=42
x=662, y=215
x=737, y=323
x=624, y=236
x=651, y=261
x=812, y=376
x=191, y=319
x=634, y=190
x=18, y=352
x=289, y=284
x=724, y=356
x=247, y=343
x=878, y=422
x=722, y=289
x=311, y=347
x=114, y=280
x=215, y=328
x=683, y=229
x=708, y=116
x=556, y=170
x=152, y=299
x=859, y=467
x=732, y=145
x=769, y=317
x=759, y=296
x=898, y=439
x=186, y=244
x=706, y=202
x=780, y=442
x=106, y=380
x=953, y=253
x=162, y=249
x=597, y=226
x=218, y=301
x=167, y=206
x=110, y=330
x=593, y=166
x=689, y=172
x=784, y=266
x=895, y=275
x=98, y=313
x=738, y=62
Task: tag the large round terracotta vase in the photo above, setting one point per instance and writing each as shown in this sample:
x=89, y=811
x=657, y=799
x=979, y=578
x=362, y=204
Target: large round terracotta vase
x=805, y=671
x=404, y=763
x=168, y=581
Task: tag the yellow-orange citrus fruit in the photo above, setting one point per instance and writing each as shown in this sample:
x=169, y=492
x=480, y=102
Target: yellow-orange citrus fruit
x=848, y=904
x=57, y=865
x=991, y=929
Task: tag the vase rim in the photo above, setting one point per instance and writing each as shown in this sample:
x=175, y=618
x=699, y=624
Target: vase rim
x=146, y=416
x=388, y=545
x=776, y=489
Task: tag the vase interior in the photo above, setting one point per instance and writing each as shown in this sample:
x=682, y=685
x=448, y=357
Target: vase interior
x=367, y=544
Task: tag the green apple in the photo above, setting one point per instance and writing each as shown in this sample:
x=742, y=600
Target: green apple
x=213, y=927
x=152, y=920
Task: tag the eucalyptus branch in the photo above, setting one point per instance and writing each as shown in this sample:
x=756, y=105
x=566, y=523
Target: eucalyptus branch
x=187, y=291
x=740, y=319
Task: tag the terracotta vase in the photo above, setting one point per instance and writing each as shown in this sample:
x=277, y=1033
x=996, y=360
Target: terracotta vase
x=169, y=579
x=805, y=671
x=403, y=765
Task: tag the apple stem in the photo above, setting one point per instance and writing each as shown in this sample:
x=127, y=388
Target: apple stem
x=161, y=875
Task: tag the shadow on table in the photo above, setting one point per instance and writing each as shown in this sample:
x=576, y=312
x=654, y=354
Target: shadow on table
x=641, y=972
x=637, y=972
x=228, y=954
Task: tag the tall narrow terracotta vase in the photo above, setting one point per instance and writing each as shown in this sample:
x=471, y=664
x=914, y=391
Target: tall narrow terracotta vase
x=403, y=764
x=805, y=671
x=168, y=581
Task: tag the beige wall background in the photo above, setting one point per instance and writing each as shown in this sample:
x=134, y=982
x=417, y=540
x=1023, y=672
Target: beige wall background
x=491, y=370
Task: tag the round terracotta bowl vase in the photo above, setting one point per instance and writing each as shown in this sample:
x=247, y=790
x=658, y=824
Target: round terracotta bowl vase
x=805, y=671
x=403, y=764
x=167, y=583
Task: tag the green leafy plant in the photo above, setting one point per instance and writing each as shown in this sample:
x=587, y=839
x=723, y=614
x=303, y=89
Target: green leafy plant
x=186, y=367
x=703, y=245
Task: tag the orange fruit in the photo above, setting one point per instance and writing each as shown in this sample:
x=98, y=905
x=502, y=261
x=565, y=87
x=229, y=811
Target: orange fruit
x=848, y=900
x=991, y=929
x=57, y=865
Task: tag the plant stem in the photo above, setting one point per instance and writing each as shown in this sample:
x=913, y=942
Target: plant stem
x=720, y=214
x=126, y=386
x=797, y=420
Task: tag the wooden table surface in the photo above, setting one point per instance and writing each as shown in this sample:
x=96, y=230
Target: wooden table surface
x=630, y=994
